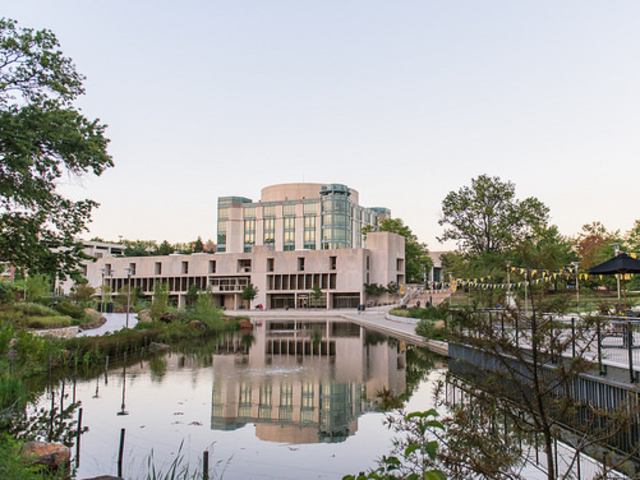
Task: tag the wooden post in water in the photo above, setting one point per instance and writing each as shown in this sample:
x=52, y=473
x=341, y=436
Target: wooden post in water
x=120, y=452
x=205, y=465
x=78, y=437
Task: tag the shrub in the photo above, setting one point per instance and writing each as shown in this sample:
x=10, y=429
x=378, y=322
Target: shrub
x=55, y=321
x=67, y=308
x=31, y=308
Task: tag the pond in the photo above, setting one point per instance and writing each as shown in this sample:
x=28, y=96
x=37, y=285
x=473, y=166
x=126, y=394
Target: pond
x=295, y=399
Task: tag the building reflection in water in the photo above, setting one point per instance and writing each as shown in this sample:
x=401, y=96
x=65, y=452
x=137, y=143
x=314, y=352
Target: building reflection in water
x=304, y=381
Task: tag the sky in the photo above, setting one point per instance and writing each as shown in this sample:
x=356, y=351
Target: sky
x=404, y=101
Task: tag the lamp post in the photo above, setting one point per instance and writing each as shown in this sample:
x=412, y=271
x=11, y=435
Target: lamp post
x=103, y=271
x=575, y=264
x=128, y=272
x=616, y=246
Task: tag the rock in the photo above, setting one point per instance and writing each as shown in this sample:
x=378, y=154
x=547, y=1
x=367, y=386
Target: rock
x=197, y=324
x=143, y=316
x=51, y=455
x=245, y=324
x=159, y=347
x=123, y=309
x=168, y=317
x=104, y=477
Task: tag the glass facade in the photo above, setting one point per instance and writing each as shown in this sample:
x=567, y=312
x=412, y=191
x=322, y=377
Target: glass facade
x=289, y=234
x=269, y=235
x=249, y=234
x=336, y=217
x=310, y=233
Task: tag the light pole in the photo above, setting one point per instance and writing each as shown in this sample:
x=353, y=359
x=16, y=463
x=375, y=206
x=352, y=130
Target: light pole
x=575, y=264
x=128, y=272
x=103, y=271
x=617, y=252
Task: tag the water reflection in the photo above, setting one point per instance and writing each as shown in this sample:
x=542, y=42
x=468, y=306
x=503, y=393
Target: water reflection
x=303, y=382
x=307, y=385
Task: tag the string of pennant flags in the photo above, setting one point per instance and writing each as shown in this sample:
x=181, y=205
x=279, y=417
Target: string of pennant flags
x=536, y=276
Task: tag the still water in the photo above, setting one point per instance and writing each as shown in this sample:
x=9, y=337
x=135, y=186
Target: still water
x=294, y=400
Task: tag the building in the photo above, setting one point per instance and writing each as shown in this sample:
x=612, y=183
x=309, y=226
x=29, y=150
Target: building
x=295, y=216
x=297, y=238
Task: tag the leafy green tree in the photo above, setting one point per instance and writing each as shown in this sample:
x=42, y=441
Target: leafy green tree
x=192, y=295
x=316, y=294
x=249, y=293
x=198, y=246
x=82, y=293
x=416, y=254
x=374, y=290
x=42, y=138
x=165, y=248
x=160, y=303
x=37, y=287
x=487, y=217
x=594, y=244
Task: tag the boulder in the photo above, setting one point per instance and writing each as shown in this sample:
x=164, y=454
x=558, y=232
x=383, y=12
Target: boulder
x=159, y=347
x=245, y=324
x=168, y=317
x=104, y=477
x=143, y=316
x=51, y=455
x=197, y=324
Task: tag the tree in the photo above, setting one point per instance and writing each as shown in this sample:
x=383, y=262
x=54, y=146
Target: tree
x=82, y=293
x=165, y=248
x=487, y=217
x=416, y=254
x=374, y=290
x=249, y=293
x=316, y=294
x=43, y=138
x=160, y=303
x=594, y=244
x=198, y=246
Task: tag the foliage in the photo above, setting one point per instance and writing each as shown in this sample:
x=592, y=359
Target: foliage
x=416, y=254
x=82, y=294
x=13, y=466
x=415, y=452
x=37, y=287
x=57, y=321
x=192, y=295
x=65, y=307
x=42, y=139
x=316, y=293
x=594, y=244
x=165, y=248
x=487, y=217
x=198, y=246
x=249, y=293
x=374, y=290
x=393, y=288
x=160, y=304
x=6, y=293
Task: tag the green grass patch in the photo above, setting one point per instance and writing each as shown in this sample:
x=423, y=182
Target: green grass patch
x=47, y=322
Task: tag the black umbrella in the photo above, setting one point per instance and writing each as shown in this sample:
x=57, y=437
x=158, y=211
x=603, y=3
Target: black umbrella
x=619, y=264
x=623, y=263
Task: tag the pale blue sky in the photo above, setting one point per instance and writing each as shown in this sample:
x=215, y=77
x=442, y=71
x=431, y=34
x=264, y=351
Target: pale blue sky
x=402, y=100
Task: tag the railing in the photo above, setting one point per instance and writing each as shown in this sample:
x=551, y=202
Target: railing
x=616, y=339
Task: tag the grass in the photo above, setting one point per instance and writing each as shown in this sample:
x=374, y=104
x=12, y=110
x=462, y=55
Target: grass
x=47, y=322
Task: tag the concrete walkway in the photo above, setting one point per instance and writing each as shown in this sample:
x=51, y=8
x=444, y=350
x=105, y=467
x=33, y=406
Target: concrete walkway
x=375, y=318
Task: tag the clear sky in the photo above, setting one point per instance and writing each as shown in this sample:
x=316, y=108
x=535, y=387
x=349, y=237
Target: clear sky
x=404, y=101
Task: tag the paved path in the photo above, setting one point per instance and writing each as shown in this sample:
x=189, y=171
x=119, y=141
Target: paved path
x=375, y=318
x=115, y=322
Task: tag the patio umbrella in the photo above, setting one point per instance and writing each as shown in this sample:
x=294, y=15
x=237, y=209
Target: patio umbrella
x=619, y=264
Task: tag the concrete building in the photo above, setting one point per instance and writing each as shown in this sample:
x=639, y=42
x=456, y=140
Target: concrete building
x=299, y=236
x=295, y=216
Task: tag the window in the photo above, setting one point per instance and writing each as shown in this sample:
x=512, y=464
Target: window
x=301, y=264
x=270, y=264
x=333, y=263
x=289, y=237
x=269, y=231
x=107, y=270
x=367, y=264
x=132, y=269
x=212, y=266
x=185, y=268
x=244, y=265
x=310, y=208
x=289, y=210
x=249, y=234
x=249, y=212
x=158, y=269
x=269, y=211
x=223, y=213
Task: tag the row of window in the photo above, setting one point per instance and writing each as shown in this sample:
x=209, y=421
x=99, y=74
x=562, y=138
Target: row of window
x=303, y=281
